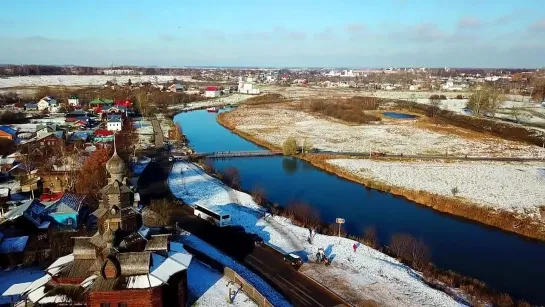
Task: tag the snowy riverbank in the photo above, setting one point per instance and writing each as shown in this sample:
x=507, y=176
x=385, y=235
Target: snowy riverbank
x=511, y=186
x=368, y=274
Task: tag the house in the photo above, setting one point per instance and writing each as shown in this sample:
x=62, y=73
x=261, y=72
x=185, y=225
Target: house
x=48, y=103
x=31, y=107
x=49, y=139
x=176, y=88
x=80, y=136
x=248, y=86
x=127, y=103
x=114, y=122
x=74, y=101
x=12, y=249
x=31, y=211
x=212, y=92
x=100, y=103
x=7, y=132
x=103, y=135
x=122, y=264
x=121, y=110
x=69, y=210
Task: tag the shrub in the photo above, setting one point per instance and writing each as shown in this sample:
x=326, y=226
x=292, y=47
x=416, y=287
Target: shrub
x=231, y=177
x=290, y=147
x=410, y=250
x=479, y=124
x=454, y=191
x=304, y=214
x=348, y=110
x=370, y=237
x=333, y=230
x=265, y=99
x=258, y=195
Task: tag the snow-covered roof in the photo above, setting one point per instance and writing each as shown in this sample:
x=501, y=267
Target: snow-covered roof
x=16, y=289
x=59, y=264
x=4, y=192
x=170, y=267
x=13, y=245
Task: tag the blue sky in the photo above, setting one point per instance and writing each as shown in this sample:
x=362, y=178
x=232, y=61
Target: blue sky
x=317, y=33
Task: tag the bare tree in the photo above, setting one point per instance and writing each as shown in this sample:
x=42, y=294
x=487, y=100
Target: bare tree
x=485, y=100
x=435, y=103
x=518, y=114
x=411, y=250
x=370, y=237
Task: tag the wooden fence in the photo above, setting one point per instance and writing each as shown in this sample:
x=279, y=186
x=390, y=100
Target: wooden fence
x=247, y=288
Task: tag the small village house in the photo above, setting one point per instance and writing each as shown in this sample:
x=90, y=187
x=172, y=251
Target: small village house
x=74, y=101
x=99, y=103
x=212, y=92
x=176, y=88
x=29, y=107
x=7, y=132
x=103, y=136
x=114, y=122
x=48, y=103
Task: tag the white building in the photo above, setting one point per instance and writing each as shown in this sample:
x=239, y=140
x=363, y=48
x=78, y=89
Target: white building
x=52, y=105
x=248, y=86
x=73, y=101
x=212, y=92
x=114, y=123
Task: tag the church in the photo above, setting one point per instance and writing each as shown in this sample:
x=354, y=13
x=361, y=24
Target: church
x=121, y=265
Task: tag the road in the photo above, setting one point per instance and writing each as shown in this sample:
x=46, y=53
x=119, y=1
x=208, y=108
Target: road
x=158, y=133
x=263, y=260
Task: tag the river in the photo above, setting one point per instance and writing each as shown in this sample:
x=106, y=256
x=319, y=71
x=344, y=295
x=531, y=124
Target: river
x=505, y=261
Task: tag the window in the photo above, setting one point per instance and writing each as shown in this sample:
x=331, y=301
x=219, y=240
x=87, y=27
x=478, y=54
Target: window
x=70, y=221
x=122, y=305
x=104, y=304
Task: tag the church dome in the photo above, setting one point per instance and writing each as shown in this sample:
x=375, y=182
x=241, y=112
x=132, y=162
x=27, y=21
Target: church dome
x=116, y=165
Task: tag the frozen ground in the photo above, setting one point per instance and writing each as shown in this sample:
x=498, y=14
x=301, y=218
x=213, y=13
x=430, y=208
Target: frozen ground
x=365, y=272
x=275, y=124
x=209, y=288
x=216, y=102
x=15, y=276
x=510, y=186
x=90, y=80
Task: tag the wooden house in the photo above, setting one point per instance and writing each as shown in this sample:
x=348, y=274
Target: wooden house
x=122, y=264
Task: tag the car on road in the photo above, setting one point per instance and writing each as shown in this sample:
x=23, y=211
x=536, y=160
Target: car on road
x=293, y=259
x=256, y=238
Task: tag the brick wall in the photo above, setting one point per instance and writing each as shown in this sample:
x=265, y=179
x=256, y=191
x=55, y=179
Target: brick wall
x=133, y=298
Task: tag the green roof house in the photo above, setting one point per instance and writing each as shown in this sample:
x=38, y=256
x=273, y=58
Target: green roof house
x=101, y=102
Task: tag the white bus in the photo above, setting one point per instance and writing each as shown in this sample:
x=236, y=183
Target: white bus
x=216, y=218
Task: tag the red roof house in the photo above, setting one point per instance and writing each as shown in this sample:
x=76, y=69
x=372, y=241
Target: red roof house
x=123, y=102
x=103, y=133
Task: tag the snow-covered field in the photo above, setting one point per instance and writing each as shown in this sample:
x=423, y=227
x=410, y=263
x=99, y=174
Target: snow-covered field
x=89, y=80
x=511, y=186
x=276, y=124
x=210, y=288
x=369, y=273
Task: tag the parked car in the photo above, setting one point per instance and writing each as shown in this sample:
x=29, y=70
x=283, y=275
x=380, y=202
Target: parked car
x=293, y=259
x=257, y=239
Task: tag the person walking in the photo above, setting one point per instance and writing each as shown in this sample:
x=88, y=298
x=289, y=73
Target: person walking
x=355, y=247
